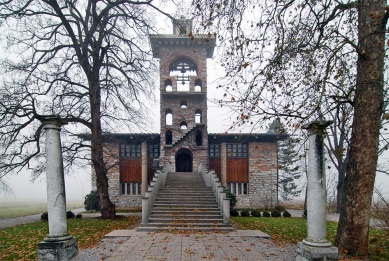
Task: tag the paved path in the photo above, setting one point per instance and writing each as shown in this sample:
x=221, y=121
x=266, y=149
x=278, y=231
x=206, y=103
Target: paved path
x=240, y=245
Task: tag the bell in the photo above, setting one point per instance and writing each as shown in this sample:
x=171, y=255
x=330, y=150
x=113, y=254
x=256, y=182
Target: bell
x=183, y=71
x=183, y=82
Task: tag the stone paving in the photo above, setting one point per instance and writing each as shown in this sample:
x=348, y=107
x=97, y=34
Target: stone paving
x=238, y=245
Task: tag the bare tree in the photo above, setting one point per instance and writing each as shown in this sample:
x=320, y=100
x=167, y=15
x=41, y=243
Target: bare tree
x=87, y=62
x=283, y=58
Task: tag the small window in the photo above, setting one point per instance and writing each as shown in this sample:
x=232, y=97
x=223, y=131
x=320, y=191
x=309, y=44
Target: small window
x=198, y=116
x=238, y=188
x=198, y=85
x=238, y=150
x=183, y=125
x=153, y=150
x=214, y=150
x=183, y=105
x=169, y=117
x=169, y=137
x=168, y=85
x=132, y=188
x=130, y=150
x=199, y=138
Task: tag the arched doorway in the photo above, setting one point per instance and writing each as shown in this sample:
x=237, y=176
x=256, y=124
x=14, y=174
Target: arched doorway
x=184, y=160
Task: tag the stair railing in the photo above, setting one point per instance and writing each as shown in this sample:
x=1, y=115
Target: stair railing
x=211, y=180
x=152, y=192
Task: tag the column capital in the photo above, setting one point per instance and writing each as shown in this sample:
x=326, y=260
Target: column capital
x=316, y=127
x=52, y=121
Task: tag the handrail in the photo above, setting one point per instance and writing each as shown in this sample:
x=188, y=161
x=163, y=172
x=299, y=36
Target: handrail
x=152, y=191
x=211, y=180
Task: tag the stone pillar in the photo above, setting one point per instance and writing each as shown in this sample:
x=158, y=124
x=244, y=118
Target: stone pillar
x=223, y=164
x=59, y=244
x=316, y=246
x=144, y=167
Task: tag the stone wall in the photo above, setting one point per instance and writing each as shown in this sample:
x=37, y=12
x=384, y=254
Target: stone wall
x=121, y=201
x=262, y=177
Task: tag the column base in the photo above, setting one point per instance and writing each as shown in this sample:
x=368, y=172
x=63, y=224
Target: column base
x=58, y=250
x=316, y=253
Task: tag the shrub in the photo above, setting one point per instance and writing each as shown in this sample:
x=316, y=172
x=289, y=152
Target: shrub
x=69, y=214
x=245, y=213
x=78, y=216
x=92, y=201
x=45, y=216
x=286, y=214
x=232, y=198
x=266, y=214
x=234, y=213
x=279, y=208
x=256, y=213
x=276, y=213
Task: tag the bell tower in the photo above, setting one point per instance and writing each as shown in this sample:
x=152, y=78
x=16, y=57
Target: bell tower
x=183, y=94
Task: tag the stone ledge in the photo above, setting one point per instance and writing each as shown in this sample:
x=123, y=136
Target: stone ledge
x=57, y=251
x=305, y=253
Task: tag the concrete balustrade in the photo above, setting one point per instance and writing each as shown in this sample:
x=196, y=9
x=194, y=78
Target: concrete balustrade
x=149, y=198
x=211, y=180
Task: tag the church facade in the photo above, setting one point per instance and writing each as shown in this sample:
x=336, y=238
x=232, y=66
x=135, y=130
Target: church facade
x=246, y=164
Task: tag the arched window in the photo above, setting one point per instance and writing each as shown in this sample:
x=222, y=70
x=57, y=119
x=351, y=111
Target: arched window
x=169, y=137
x=199, y=138
x=183, y=125
x=198, y=85
x=169, y=117
x=183, y=104
x=183, y=68
x=168, y=85
x=198, y=116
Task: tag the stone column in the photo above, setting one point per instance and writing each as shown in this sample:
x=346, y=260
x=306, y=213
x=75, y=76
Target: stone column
x=144, y=167
x=223, y=164
x=316, y=246
x=59, y=244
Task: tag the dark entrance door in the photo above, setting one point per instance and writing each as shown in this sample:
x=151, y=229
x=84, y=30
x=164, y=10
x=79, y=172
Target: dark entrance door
x=184, y=161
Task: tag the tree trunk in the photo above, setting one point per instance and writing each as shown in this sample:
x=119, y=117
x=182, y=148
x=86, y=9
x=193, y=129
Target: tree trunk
x=107, y=208
x=353, y=228
x=339, y=191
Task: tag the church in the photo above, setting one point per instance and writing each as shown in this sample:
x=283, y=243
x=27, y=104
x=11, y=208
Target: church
x=246, y=164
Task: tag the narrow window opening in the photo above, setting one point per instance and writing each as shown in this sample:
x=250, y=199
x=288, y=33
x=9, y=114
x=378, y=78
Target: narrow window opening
x=169, y=137
x=199, y=138
x=169, y=117
x=198, y=116
x=168, y=85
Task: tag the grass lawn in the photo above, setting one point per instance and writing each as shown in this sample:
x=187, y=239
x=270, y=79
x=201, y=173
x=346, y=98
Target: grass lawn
x=21, y=242
x=293, y=230
x=18, y=209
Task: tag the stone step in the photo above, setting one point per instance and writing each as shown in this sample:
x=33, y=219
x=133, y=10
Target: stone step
x=184, y=198
x=146, y=228
x=215, y=211
x=184, y=204
x=153, y=220
x=178, y=224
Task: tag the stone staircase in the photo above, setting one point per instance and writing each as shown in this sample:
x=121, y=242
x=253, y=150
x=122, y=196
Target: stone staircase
x=185, y=203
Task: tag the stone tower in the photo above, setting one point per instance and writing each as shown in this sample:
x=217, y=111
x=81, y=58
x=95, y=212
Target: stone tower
x=183, y=94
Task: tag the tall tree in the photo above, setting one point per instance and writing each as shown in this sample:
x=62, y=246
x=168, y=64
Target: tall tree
x=288, y=163
x=283, y=58
x=87, y=62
